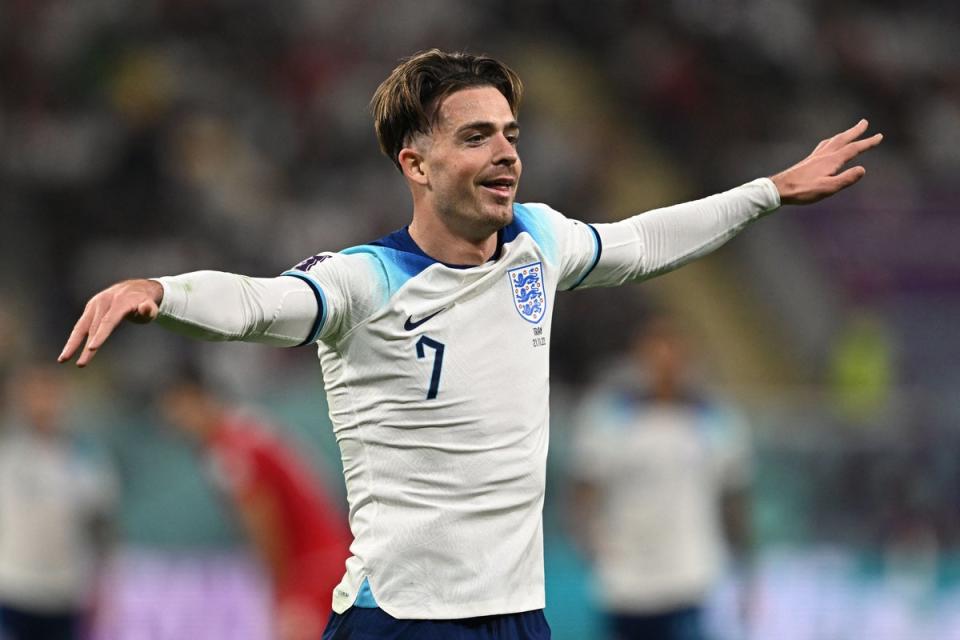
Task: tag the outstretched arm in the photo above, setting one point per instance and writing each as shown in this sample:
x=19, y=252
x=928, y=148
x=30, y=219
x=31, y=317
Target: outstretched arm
x=659, y=241
x=210, y=305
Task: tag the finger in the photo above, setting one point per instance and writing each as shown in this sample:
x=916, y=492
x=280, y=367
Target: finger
x=84, y=327
x=87, y=353
x=820, y=146
x=147, y=311
x=844, y=179
x=76, y=336
x=857, y=147
x=850, y=134
x=106, y=326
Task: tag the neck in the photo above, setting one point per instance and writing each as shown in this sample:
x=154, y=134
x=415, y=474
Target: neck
x=46, y=431
x=444, y=244
x=666, y=390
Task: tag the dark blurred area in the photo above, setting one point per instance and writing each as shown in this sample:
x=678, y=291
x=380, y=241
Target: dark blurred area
x=157, y=137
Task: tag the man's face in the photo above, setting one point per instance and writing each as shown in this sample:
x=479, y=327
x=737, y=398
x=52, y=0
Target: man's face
x=471, y=162
x=40, y=393
x=182, y=406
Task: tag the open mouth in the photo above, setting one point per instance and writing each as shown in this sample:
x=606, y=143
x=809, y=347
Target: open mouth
x=500, y=186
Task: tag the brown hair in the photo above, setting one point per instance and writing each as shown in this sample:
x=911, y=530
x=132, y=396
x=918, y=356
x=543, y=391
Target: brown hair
x=406, y=102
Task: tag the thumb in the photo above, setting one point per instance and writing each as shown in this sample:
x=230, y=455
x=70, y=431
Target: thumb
x=147, y=311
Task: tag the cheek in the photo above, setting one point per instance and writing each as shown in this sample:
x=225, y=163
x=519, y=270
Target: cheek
x=457, y=174
x=445, y=174
x=459, y=178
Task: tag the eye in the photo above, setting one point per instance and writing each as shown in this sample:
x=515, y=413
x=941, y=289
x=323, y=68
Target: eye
x=513, y=138
x=475, y=138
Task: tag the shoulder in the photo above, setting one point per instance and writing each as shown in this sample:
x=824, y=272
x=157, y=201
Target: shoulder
x=387, y=263
x=328, y=261
x=563, y=240
x=538, y=220
x=395, y=259
x=350, y=274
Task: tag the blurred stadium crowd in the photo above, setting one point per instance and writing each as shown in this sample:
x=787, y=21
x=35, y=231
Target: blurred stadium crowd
x=156, y=137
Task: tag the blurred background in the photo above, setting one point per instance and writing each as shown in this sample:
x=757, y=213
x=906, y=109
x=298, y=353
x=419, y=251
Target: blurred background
x=156, y=137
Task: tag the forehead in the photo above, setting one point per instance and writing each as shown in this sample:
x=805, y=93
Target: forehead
x=476, y=104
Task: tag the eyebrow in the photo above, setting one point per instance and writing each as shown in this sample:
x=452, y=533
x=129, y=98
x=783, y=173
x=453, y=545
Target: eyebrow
x=485, y=125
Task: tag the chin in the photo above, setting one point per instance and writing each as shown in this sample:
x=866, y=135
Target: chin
x=501, y=216
x=493, y=224
x=507, y=216
x=483, y=220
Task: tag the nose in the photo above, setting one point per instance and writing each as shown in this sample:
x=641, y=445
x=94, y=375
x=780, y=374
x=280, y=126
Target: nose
x=505, y=152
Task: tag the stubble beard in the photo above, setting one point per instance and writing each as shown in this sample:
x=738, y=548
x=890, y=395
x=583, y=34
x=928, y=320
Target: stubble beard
x=475, y=219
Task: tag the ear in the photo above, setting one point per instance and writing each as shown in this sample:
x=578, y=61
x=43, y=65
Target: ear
x=412, y=165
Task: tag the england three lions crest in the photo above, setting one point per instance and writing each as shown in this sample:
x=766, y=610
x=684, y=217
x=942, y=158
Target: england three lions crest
x=529, y=297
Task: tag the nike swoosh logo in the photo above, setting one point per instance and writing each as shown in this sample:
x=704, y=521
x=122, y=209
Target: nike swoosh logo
x=410, y=325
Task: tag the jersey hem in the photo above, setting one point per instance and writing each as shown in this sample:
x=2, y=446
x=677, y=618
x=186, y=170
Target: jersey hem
x=457, y=612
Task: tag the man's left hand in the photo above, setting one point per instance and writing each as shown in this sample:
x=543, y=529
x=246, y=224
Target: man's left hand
x=816, y=176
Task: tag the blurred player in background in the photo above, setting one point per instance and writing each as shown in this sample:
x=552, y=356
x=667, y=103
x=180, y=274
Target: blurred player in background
x=298, y=532
x=55, y=505
x=434, y=343
x=663, y=473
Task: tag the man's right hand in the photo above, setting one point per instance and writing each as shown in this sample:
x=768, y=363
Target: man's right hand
x=134, y=300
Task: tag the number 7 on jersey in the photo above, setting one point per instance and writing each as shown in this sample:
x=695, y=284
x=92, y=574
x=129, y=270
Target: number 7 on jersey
x=424, y=341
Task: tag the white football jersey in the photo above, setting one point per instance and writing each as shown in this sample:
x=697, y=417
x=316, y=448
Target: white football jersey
x=661, y=469
x=437, y=381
